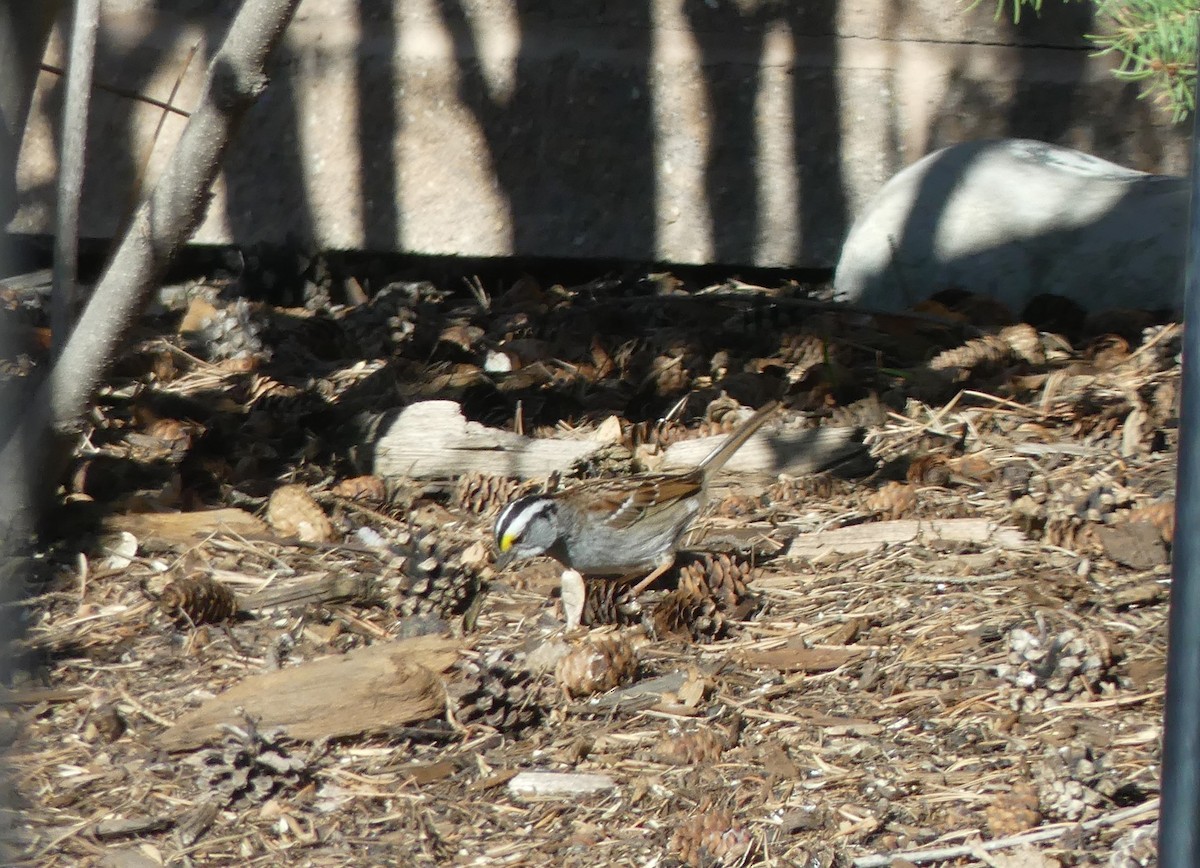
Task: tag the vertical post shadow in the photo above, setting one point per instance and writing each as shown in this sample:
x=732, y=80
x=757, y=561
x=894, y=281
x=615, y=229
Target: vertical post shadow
x=727, y=38
x=731, y=86
x=376, y=87
x=1048, y=110
x=264, y=171
x=822, y=210
x=572, y=143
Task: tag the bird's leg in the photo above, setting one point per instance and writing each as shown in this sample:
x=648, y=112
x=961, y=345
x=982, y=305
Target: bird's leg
x=658, y=571
x=574, y=593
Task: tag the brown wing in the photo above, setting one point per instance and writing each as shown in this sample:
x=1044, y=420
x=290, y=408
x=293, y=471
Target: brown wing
x=630, y=504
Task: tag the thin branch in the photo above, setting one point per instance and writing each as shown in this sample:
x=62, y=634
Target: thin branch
x=165, y=105
x=63, y=296
x=165, y=221
x=160, y=226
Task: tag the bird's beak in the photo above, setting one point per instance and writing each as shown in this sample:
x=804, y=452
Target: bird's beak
x=504, y=559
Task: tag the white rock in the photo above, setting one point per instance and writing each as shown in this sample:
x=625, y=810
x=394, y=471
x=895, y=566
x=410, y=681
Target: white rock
x=1014, y=218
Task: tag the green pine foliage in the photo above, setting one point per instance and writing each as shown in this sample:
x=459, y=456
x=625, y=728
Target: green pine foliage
x=1154, y=39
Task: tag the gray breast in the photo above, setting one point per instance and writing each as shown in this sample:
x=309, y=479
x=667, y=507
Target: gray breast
x=603, y=551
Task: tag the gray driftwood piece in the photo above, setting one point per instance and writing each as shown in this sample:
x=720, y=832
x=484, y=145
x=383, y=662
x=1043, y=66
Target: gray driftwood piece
x=1014, y=218
x=432, y=440
x=794, y=452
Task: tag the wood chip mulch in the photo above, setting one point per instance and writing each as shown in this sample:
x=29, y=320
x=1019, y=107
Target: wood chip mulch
x=952, y=653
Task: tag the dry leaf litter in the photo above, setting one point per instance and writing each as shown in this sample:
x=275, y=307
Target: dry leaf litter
x=994, y=672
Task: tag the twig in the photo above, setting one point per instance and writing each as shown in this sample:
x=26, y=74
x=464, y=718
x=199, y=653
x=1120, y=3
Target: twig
x=935, y=578
x=1049, y=834
x=122, y=91
x=135, y=190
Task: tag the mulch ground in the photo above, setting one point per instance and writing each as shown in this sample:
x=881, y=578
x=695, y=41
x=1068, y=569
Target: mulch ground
x=807, y=688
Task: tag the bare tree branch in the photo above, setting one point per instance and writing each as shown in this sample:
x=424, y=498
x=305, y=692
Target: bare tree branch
x=70, y=169
x=159, y=228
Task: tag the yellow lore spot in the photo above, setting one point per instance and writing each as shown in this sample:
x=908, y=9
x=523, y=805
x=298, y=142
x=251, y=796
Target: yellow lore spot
x=506, y=542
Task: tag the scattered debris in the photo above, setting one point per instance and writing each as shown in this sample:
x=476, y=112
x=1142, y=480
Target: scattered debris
x=945, y=639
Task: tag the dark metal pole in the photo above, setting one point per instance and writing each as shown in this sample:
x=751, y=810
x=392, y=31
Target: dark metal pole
x=1179, y=821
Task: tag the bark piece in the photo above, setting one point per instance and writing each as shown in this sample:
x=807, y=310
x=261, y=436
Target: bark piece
x=1137, y=545
x=559, y=784
x=432, y=439
x=796, y=453
x=184, y=527
x=367, y=690
x=865, y=537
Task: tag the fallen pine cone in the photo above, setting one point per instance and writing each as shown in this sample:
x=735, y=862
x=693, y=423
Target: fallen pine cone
x=496, y=689
x=437, y=581
x=725, y=577
x=690, y=748
x=712, y=837
x=607, y=602
x=1014, y=812
x=690, y=610
x=370, y=488
x=486, y=493
x=1161, y=515
x=892, y=500
x=292, y=512
x=597, y=664
x=199, y=600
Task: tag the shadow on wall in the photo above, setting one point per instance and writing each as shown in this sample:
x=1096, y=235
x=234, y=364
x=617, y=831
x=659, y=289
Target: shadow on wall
x=572, y=143
x=571, y=140
x=733, y=55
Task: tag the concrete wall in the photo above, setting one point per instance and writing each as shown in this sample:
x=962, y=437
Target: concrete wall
x=691, y=131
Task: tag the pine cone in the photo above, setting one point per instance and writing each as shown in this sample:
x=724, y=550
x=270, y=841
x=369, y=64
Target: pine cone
x=383, y=326
x=437, y=591
x=723, y=577
x=893, y=500
x=1053, y=669
x=797, y=490
x=655, y=434
x=437, y=581
x=292, y=512
x=608, y=602
x=1137, y=848
x=690, y=610
x=233, y=332
x=248, y=764
x=928, y=470
x=1020, y=341
x=1014, y=812
x=670, y=374
x=371, y=488
x=803, y=353
x=486, y=493
x=738, y=505
x=712, y=837
x=199, y=600
x=496, y=690
x=690, y=748
x=597, y=664
x=1161, y=515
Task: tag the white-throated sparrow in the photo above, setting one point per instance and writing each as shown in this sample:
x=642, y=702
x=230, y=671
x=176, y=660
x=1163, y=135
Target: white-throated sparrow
x=615, y=527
